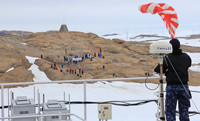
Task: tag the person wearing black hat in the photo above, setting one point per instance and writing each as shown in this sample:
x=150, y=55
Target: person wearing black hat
x=175, y=68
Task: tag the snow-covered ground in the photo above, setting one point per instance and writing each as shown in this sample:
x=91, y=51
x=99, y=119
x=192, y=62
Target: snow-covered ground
x=195, y=61
x=10, y=69
x=38, y=75
x=152, y=39
x=107, y=91
x=192, y=42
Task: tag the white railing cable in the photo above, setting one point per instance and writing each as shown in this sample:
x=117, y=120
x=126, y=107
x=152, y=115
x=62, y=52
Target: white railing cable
x=82, y=80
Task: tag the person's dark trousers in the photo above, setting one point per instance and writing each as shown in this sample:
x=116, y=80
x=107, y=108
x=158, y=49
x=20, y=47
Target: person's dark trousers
x=177, y=93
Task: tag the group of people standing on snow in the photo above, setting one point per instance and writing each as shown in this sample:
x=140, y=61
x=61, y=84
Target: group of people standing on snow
x=80, y=71
x=68, y=61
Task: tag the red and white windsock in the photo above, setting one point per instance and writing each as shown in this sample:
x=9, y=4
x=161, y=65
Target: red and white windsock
x=166, y=12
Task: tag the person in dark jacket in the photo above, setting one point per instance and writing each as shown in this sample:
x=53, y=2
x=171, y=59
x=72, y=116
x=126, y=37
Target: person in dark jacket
x=65, y=59
x=41, y=55
x=175, y=68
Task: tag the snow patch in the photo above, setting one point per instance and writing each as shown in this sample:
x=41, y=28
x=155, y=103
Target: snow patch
x=39, y=76
x=195, y=57
x=24, y=43
x=10, y=69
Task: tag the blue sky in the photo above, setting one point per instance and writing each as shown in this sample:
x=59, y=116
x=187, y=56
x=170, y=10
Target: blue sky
x=97, y=16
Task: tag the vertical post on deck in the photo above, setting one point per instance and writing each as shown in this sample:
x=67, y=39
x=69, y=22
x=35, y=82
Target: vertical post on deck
x=85, y=106
x=38, y=93
x=69, y=107
x=34, y=93
x=161, y=96
x=59, y=116
x=2, y=102
x=8, y=102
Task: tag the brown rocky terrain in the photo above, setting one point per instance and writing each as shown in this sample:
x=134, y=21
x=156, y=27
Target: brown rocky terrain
x=126, y=59
x=11, y=57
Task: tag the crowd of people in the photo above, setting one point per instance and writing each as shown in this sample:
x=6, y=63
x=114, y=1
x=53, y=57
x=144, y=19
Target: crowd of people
x=78, y=72
x=68, y=67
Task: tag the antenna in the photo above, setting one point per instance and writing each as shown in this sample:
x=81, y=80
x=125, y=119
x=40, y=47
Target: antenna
x=63, y=20
x=127, y=36
x=161, y=48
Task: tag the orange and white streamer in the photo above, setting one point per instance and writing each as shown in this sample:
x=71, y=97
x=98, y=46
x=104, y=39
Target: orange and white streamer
x=166, y=12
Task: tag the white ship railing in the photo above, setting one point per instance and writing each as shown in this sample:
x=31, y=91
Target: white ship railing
x=41, y=116
x=84, y=81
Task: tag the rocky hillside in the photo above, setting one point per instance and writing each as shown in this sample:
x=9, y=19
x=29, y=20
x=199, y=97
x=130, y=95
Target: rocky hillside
x=10, y=57
x=125, y=59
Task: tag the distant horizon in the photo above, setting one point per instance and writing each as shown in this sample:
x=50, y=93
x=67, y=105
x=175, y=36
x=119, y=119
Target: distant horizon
x=135, y=32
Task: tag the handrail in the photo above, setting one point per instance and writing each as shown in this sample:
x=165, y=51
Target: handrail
x=83, y=80
x=67, y=81
x=41, y=115
x=194, y=71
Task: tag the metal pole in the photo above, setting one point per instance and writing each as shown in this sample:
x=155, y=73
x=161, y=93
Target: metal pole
x=85, y=106
x=38, y=101
x=158, y=108
x=69, y=107
x=64, y=96
x=162, y=110
x=59, y=116
x=8, y=102
x=34, y=93
x=12, y=95
x=43, y=98
x=2, y=102
x=127, y=36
